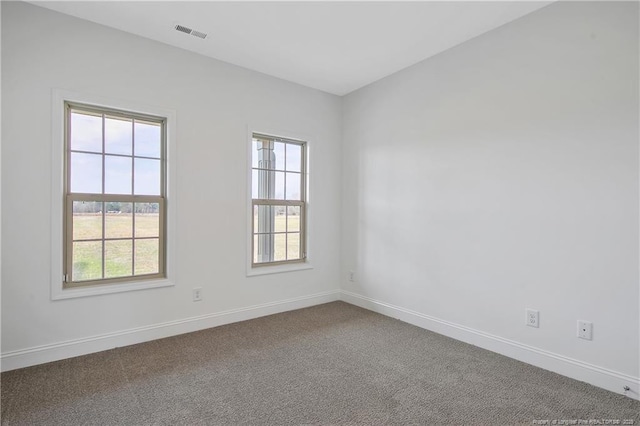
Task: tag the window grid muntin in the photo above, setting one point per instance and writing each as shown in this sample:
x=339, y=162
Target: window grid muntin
x=105, y=198
x=281, y=203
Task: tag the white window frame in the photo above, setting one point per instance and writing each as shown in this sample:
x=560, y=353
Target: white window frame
x=289, y=266
x=58, y=290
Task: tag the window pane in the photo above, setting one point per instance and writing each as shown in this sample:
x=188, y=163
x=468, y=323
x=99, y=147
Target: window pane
x=293, y=246
x=118, y=258
x=117, y=136
x=147, y=256
x=114, y=153
x=254, y=183
x=147, y=220
x=148, y=140
x=281, y=219
x=280, y=241
x=278, y=150
x=85, y=132
x=255, y=219
x=86, y=173
x=254, y=152
x=294, y=157
x=118, y=207
x=278, y=193
x=263, y=154
x=147, y=208
x=265, y=219
x=293, y=219
x=117, y=175
x=87, y=261
x=147, y=177
x=118, y=221
x=263, y=247
x=277, y=229
x=293, y=186
x=255, y=249
x=267, y=185
x=87, y=220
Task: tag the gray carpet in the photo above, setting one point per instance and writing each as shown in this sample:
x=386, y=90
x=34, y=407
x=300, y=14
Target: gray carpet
x=329, y=364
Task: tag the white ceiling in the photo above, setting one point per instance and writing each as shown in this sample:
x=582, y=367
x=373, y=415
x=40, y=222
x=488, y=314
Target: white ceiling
x=337, y=47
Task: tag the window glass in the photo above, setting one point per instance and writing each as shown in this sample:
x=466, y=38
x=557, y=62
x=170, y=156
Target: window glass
x=118, y=136
x=147, y=177
x=277, y=190
x=86, y=173
x=147, y=220
x=118, y=220
x=87, y=260
x=114, y=159
x=294, y=158
x=87, y=219
x=148, y=140
x=117, y=175
x=86, y=132
x=146, y=256
x=293, y=186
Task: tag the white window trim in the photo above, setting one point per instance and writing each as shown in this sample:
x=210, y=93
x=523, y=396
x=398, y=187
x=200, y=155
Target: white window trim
x=58, y=292
x=279, y=268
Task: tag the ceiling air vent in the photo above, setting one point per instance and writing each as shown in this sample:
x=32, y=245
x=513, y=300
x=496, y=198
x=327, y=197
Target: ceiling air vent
x=187, y=30
x=198, y=34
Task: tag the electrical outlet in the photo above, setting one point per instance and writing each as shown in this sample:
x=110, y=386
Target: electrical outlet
x=352, y=276
x=585, y=330
x=533, y=318
x=197, y=294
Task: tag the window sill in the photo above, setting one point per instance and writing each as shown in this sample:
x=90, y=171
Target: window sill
x=277, y=269
x=72, y=293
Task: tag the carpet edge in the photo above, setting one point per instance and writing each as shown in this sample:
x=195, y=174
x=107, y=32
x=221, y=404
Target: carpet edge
x=595, y=375
x=13, y=360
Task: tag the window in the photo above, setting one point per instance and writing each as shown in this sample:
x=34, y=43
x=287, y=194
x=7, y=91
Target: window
x=115, y=187
x=278, y=192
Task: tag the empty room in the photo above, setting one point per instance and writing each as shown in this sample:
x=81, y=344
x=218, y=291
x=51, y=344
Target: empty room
x=320, y=213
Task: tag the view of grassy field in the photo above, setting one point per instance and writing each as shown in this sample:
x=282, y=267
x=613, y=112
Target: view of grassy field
x=286, y=239
x=127, y=250
x=122, y=256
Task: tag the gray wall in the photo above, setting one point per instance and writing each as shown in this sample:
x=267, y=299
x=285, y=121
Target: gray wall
x=214, y=103
x=503, y=175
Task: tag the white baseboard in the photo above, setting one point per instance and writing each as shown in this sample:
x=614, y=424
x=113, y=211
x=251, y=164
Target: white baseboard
x=575, y=369
x=57, y=351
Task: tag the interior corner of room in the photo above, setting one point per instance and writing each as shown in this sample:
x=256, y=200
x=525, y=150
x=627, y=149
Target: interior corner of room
x=488, y=192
